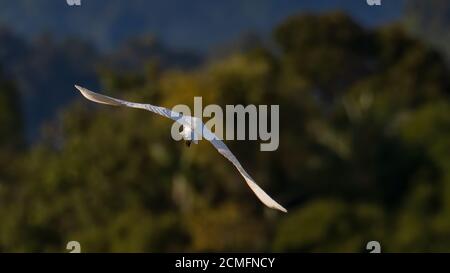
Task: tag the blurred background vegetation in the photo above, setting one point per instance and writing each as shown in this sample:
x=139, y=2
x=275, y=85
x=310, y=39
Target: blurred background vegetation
x=364, y=134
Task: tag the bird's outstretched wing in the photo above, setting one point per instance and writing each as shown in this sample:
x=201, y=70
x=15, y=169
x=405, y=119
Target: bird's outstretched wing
x=216, y=142
x=95, y=97
x=223, y=149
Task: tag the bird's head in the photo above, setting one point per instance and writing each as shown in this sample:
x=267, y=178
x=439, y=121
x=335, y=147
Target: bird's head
x=191, y=129
x=189, y=135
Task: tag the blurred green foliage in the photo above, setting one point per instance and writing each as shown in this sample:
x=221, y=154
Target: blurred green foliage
x=430, y=21
x=364, y=154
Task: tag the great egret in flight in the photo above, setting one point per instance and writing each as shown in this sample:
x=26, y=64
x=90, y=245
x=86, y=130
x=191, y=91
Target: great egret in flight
x=192, y=128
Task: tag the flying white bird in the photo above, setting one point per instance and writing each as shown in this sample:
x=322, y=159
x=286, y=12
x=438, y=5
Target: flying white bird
x=192, y=128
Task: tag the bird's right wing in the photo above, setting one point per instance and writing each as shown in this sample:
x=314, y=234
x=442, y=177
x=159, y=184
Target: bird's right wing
x=95, y=97
x=223, y=150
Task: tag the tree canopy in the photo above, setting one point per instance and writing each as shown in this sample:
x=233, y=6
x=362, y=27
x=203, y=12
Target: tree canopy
x=363, y=155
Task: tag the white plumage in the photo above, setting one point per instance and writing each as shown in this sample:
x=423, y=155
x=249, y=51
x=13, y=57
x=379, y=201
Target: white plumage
x=192, y=129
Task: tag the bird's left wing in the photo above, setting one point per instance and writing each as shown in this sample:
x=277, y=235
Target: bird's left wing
x=223, y=149
x=95, y=97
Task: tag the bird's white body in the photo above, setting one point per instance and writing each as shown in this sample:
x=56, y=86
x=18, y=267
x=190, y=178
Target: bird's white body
x=193, y=130
x=189, y=132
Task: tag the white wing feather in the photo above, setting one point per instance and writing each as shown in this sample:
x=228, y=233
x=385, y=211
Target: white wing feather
x=95, y=97
x=225, y=151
